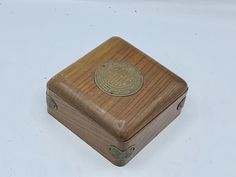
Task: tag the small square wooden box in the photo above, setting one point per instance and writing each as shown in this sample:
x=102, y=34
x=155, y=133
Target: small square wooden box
x=116, y=98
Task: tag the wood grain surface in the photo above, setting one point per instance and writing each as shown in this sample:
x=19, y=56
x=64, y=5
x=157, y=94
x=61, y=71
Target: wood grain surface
x=100, y=139
x=121, y=116
x=101, y=119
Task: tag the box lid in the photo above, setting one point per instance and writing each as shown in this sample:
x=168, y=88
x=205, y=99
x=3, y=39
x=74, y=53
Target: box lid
x=119, y=87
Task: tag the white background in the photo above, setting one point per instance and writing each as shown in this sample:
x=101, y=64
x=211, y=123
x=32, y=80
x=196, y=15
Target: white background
x=195, y=39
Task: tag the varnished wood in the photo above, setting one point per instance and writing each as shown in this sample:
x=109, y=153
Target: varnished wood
x=101, y=119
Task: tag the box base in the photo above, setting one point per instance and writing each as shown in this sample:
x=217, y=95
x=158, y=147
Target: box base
x=117, y=152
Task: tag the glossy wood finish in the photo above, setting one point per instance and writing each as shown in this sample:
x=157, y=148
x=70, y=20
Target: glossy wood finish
x=121, y=116
x=101, y=119
x=99, y=139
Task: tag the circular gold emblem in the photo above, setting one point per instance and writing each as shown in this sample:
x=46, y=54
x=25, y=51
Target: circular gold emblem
x=118, y=78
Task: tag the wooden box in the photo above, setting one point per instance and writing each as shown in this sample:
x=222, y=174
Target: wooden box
x=116, y=98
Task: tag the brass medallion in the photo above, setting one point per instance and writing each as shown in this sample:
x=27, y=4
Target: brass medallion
x=118, y=78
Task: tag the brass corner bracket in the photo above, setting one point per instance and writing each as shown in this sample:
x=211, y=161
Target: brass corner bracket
x=119, y=154
x=51, y=103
